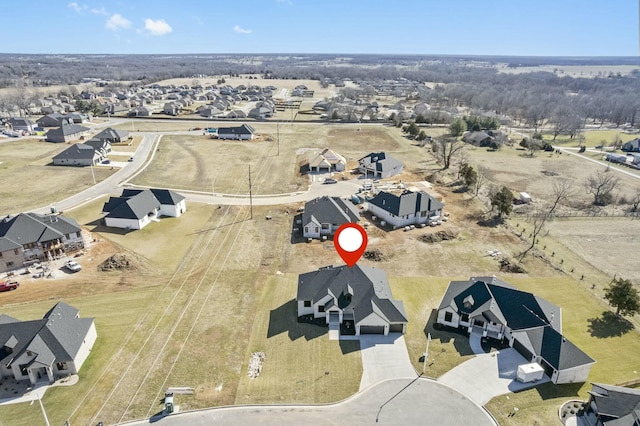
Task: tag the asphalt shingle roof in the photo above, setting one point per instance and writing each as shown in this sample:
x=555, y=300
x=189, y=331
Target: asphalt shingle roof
x=406, y=203
x=332, y=210
x=112, y=134
x=26, y=228
x=77, y=151
x=369, y=289
x=616, y=401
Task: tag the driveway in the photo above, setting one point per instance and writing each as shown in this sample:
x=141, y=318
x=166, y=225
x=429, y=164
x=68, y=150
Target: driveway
x=383, y=358
x=488, y=375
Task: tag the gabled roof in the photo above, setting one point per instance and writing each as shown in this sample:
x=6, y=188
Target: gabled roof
x=112, y=134
x=327, y=209
x=136, y=206
x=164, y=196
x=368, y=289
x=67, y=130
x=6, y=244
x=244, y=129
x=58, y=336
x=379, y=161
x=406, y=203
x=615, y=402
x=78, y=151
x=97, y=144
x=476, y=137
x=26, y=228
x=326, y=157
x=556, y=349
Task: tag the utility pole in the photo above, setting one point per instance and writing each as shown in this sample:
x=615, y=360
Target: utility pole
x=250, y=195
x=44, y=413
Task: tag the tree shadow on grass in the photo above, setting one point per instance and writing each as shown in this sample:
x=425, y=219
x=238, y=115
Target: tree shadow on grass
x=457, y=336
x=609, y=325
x=285, y=319
x=491, y=222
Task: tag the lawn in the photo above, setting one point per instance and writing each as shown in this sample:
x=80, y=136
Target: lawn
x=164, y=243
x=35, y=182
x=302, y=364
x=593, y=138
x=610, y=342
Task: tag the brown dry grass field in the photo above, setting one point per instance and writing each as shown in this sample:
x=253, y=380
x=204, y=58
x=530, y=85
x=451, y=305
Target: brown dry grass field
x=215, y=287
x=32, y=181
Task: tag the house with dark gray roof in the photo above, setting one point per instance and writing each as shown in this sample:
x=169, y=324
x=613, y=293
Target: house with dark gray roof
x=612, y=406
x=632, y=146
x=42, y=237
x=407, y=208
x=53, y=120
x=112, y=135
x=102, y=146
x=531, y=325
x=478, y=139
x=136, y=208
x=323, y=216
x=46, y=349
x=379, y=165
x=11, y=255
x=243, y=132
x=354, y=300
x=66, y=133
x=78, y=154
x=21, y=124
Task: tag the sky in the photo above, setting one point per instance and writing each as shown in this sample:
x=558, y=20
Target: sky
x=420, y=27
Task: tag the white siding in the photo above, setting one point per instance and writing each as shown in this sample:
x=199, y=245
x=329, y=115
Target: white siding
x=311, y=230
x=455, y=318
x=85, y=349
x=126, y=223
x=302, y=310
x=372, y=319
x=573, y=375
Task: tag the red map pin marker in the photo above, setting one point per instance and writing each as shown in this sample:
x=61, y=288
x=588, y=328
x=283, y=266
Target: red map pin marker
x=350, y=241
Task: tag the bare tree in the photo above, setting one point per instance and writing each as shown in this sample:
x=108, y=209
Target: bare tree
x=462, y=159
x=448, y=149
x=481, y=179
x=601, y=185
x=561, y=190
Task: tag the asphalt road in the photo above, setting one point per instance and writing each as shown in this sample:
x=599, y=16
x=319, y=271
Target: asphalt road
x=393, y=402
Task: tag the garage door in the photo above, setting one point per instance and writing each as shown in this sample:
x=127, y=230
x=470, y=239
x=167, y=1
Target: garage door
x=522, y=350
x=548, y=369
x=395, y=328
x=372, y=329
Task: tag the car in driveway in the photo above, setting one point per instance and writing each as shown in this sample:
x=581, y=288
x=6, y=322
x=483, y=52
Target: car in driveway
x=330, y=180
x=9, y=285
x=73, y=266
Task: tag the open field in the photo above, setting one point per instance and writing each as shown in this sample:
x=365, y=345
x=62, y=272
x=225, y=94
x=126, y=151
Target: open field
x=302, y=364
x=593, y=138
x=35, y=182
x=578, y=71
x=513, y=167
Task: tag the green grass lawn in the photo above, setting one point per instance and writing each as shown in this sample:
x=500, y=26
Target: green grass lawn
x=593, y=138
x=611, y=343
x=302, y=364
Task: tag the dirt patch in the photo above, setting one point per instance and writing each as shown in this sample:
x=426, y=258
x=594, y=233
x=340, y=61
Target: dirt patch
x=375, y=255
x=119, y=262
x=436, y=237
x=508, y=265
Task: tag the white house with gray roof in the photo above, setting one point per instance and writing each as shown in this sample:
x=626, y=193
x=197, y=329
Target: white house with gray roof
x=46, y=349
x=323, y=216
x=243, y=132
x=112, y=135
x=357, y=299
x=407, y=208
x=379, y=165
x=531, y=325
x=42, y=236
x=66, y=133
x=11, y=255
x=79, y=154
x=136, y=208
x=326, y=160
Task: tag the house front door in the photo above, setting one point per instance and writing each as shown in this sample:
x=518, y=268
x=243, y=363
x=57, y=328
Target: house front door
x=334, y=317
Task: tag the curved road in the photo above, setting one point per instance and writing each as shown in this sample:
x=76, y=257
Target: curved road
x=397, y=401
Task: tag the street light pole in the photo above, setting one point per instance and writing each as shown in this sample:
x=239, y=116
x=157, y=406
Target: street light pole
x=93, y=174
x=426, y=354
x=44, y=413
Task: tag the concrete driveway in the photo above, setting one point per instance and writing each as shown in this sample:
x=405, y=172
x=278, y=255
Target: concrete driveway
x=384, y=358
x=488, y=375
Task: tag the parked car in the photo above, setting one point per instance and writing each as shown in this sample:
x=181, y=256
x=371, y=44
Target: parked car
x=106, y=161
x=8, y=285
x=330, y=180
x=73, y=266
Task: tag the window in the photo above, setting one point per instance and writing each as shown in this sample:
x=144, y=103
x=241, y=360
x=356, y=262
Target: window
x=61, y=365
x=9, y=264
x=307, y=303
x=448, y=316
x=29, y=353
x=23, y=369
x=321, y=308
x=15, y=251
x=464, y=318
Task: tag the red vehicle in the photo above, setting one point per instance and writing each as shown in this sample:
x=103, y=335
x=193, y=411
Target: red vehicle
x=8, y=285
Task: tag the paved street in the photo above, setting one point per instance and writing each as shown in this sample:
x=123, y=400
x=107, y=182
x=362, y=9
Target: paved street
x=393, y=402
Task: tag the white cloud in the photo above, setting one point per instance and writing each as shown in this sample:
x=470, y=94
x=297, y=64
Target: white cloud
x=241, y=30
x=117, y=22
x=78, y=8
x=102, y=11
x=157, y=27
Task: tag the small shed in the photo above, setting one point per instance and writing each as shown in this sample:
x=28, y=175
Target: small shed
x=530, y=372
x=525, y=198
